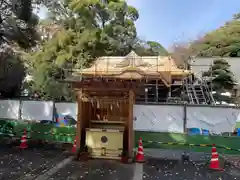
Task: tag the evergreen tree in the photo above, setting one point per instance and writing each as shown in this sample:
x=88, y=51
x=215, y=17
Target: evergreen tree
x=85, y=30
x=221, y=79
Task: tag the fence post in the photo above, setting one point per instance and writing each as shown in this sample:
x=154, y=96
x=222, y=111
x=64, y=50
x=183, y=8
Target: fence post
x=54, y=111
x=185, y=118
x=20, y=110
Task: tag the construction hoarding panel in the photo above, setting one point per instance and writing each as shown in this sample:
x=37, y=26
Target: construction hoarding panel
x=9, y=109
x=215, y=119
x=69, y=109
x=158, y=118
x=37, y=110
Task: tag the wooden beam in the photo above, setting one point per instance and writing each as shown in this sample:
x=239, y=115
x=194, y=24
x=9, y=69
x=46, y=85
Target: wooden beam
x=107, y=90
x=111, y=92
x=130, y=123
x=106, y=84
x=79, y=118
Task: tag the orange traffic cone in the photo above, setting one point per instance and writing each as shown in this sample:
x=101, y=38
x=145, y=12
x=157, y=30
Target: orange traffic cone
x=214, y=163
x=74, y=148
x=140, y=154
x=23, y=144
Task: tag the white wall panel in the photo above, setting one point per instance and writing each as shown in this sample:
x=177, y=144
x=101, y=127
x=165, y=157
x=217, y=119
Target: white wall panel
x=37, y=110
x=216, y=119
x=158, y=118
x=67, y=109
x=9, y=109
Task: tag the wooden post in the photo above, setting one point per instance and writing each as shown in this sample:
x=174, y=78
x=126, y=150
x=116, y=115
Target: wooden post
x=130, y=123
x=79, y=117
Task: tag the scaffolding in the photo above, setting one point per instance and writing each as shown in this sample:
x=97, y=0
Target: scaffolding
x=163, y=81
x=193, y=89
x=197, y=91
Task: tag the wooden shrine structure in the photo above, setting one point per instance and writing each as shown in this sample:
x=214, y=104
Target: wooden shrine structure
x=106, y=96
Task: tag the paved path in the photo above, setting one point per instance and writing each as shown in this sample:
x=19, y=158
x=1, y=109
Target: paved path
x=153, y=169
x=95, y=169
x=232, y=159
x=37, y=162
x=175, y=170
x=176, y=154
x=15, y=164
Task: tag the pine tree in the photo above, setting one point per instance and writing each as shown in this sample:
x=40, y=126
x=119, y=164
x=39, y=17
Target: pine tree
x=221, y=79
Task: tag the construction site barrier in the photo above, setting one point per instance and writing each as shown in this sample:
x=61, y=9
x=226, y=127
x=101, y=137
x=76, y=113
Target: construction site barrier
x=43, y=133
x=195, y=145
x=53, y=133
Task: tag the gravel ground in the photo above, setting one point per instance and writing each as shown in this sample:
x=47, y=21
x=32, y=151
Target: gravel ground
x=15, y=164
x=233, y=159
x=175, y=170
x=36, y=160
x=175, y=154
x=95, y=169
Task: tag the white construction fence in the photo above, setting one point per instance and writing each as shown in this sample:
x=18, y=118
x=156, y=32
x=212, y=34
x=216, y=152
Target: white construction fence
x=157, y=118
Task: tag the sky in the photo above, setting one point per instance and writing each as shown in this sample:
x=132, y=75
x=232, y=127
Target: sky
x=173, y=21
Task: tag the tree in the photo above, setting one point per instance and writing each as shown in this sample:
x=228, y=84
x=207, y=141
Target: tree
x=12, y=73
x=17, y=33
x=222, y=79
x=47, y=29
x=225, y=41
x=149, y=48
x=87, y=29
x=182, y=55
x=91, y=29
x=17, y=23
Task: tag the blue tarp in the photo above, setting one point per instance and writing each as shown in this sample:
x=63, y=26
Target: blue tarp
x=198, y=131
x=205, y=132
x=194, y=131
x=238, y=131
